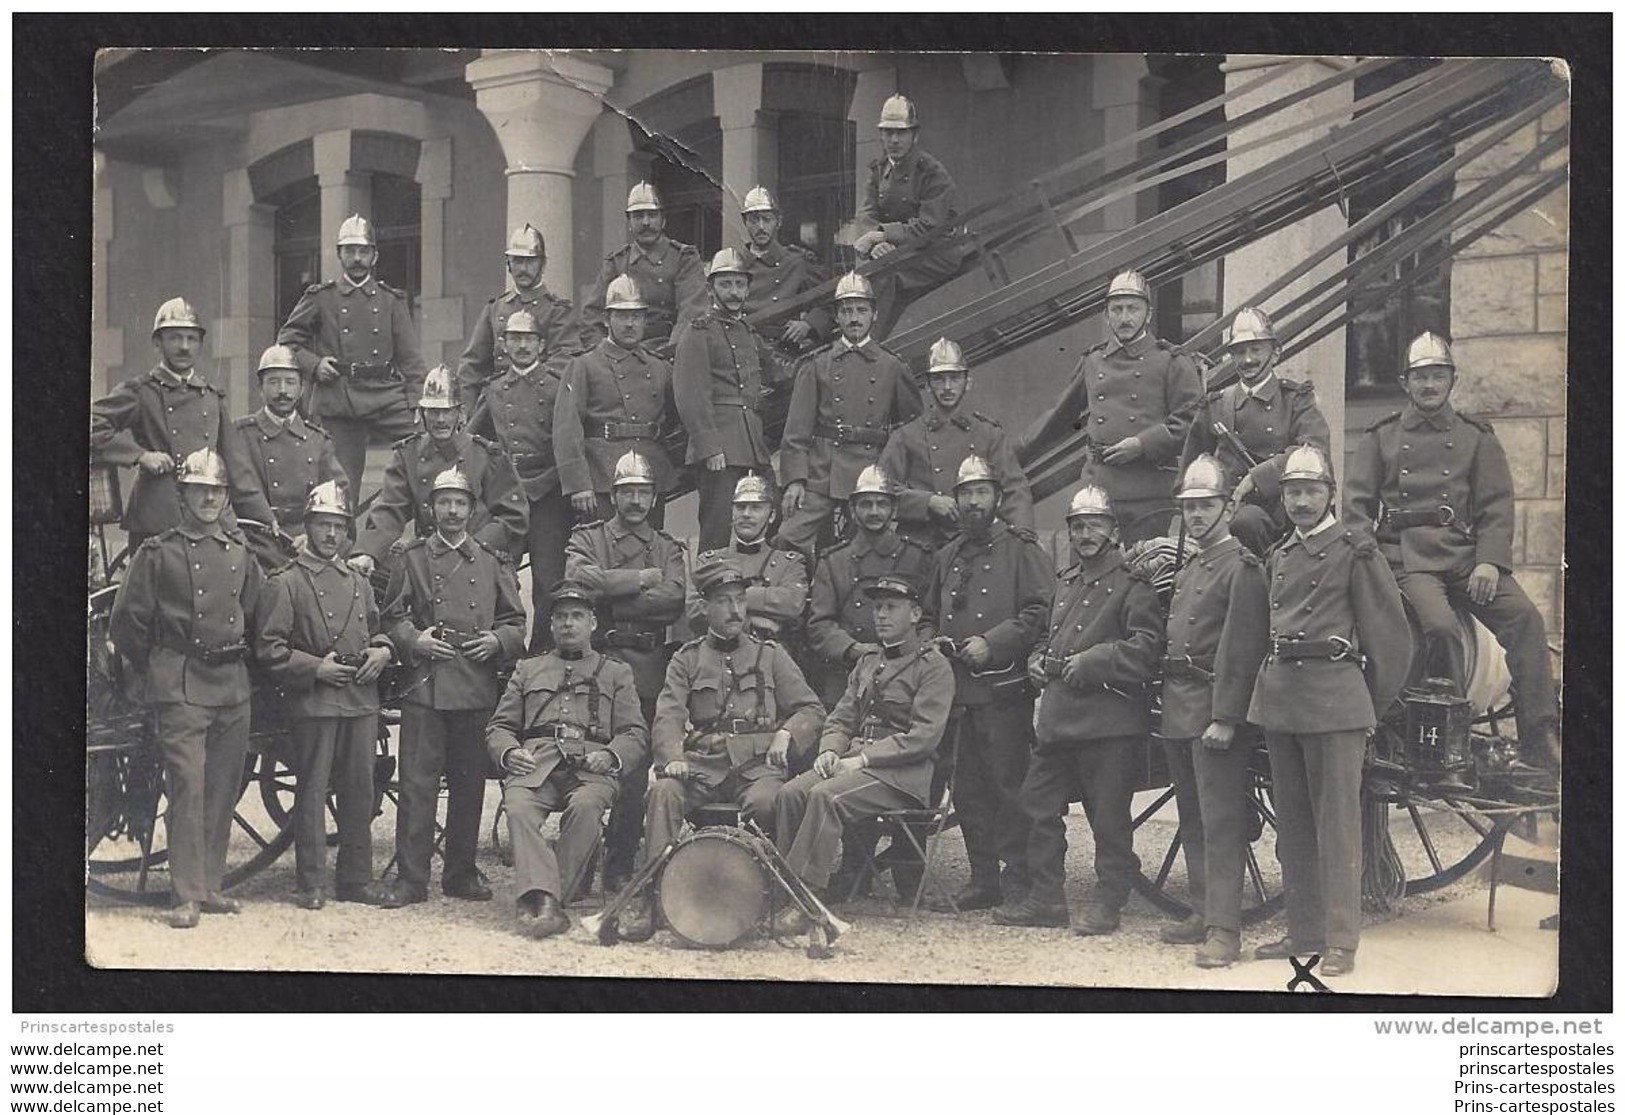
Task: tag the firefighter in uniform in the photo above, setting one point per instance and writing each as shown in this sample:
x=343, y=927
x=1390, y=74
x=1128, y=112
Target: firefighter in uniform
x=155, y=421
x=1093, y=667
x=635, y=571
x=554, y=319
x=733, y=714
x=500, y=518
x=845, y=403
x=615, y=400
x=717, y=378
x=780, y=272
x=355, y=340
x=453, y=614
x=517, y=410
x=1433, y=485
x=924, y=454
x=1334, y=608
x=567, y=728
x=670, y=275
x=290, y=455
x=1218, y=635
x=1250, y=426
x=775, y=578
x=1134, y=395
x=988, y=598
x=910, y=202
x=184, y=617
x=879, y=745
x=321, y=639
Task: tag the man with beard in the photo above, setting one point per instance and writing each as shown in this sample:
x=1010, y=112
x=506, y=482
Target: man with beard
x=157, y=420
x=780, y=272
x=183, y=618
x=775, y=578
x=1339, y=652
x=1133, y=395
x=321, y=639
x=988, y=598
x=846, y=402
x=635, y=572
x=500, y=513
x=717, y=378
x=669, y=274
x=615, y=400
x=1251, y=424
x=922, y=454
x=354, y=336
x=566, y=730
x=453, y=613
x=290, y=455
x=555, y=323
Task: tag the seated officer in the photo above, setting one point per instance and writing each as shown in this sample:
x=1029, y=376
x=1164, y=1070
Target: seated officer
x=729, y=715
x=567, y=727
x=879, y=744
x=775, y=579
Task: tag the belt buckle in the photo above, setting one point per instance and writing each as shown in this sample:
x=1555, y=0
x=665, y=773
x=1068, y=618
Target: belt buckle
x=740, y=726
x=1447, y=514
x=1345, y=648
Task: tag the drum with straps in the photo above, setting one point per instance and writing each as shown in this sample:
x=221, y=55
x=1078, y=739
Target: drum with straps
x=714, y=891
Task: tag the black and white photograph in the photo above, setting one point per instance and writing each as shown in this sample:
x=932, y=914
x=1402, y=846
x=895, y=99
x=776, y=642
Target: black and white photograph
x=1087, y=520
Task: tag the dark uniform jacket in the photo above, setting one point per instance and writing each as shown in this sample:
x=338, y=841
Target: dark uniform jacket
x=1113, y=620
x=775, y=586
x=1413, y=462
x=717, y=381
x=1218, y=624
x=159, y=413
x=913, y=202
x=469, y=588
x=289, y=458
x=670, y=277
x=613, y=401
x=1000, y=588
x=185, y=615
x=924, y=455
x=1147, y=389
x=517, y=410
x=844, y=406
x=591, y=698
x=894, y=712
x=1332, y=583
x=777, y=276
x=368, y=325
x=1284, y=414
x=840, y=616
x=486, y=354
x=313, y=608
x=501, y=514
x=607, y=556
x=749, y=688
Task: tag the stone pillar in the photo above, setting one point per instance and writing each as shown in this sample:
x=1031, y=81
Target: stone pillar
x=612, y=166
x=106, y=339
x=1250, y=268
x=750, y=142
x=873, y=87
x=440, y=315
x=541, y=104
x=1123, y=91
x=247, y=325
x=344, y=192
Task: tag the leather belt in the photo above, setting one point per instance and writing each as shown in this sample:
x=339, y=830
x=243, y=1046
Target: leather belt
x=1334, y=649
x=209, y=656
x=1194, y=668
x=369, y=373
x=555, y=730
x=855, y=435
x=614, y=430
x=623, y=639
x=1441, y=516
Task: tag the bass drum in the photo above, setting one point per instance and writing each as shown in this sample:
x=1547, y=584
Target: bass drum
x=713, y=891
x=1489, y=683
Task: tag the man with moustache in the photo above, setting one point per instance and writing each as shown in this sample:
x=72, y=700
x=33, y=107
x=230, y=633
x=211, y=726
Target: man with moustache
x=845, y=403
x=354, y=337
x=635, y=572
x=556, y=324
x=670, y=275
x=615, y=400
x=566, y=730
x=1251, y=424
x=780, y=272
x=775, y=578
x=717, y=378
x=1093, y=666
x=1339, y=652
x=924, y=455
x=988, y=598
x=290, y=455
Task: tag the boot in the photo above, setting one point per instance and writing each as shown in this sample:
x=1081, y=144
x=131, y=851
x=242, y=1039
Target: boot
x=1221, y=949
x=1191, y=931
x=550, y=918
x=1098, y=919
x=1029, y=912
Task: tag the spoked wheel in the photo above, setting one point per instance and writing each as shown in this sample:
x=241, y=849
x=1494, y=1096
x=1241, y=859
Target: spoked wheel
x=1158, y=843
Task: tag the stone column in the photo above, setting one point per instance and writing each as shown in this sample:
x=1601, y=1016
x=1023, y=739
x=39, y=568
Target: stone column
x=750, y=142
x=1248, y=269
x=541, y=104
x=612, y=166
x=1123, y=91
x=344, y=192
x=247, y=324
x=873, y=87
x=106, y=339
x=440, y=313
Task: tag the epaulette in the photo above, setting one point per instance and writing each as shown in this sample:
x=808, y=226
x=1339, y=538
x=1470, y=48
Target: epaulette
x=244, y=422
x=161, y=536
x=1362, y=543
x=691, y=644
x=395, y=290
x=682, y=247
x=797, y=249
x=235, y=533
x=317, y=288
x=1165, y=344
x=985, y=418
x=405, y=441
x=588, y=525
x=414, y=544
x=844, y=543
x=1478, y=423
x=675, y=542
x=1295, y=385
x=1250, y=558
x=487, y=444
x=1394, y=417
x=712, y=555
x=1101, y=347
x=700, y=321
x=786, y=551
x=1026, y=534
x=503, y=556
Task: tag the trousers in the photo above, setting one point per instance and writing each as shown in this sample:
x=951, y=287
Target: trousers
x=333, y=752
x=1315, y=779
x=626, y=818
x=753, y=787
x=801, y=528
x=436, y=742
x=895, y=290
x=991, y=755
x=351, y=436
x=812, y=812
x=204, y=750
x=539, y=865
x=1102, y=772
x=551, y=520
x=1141, y=519
x=1216, y=824
x=1182, y=768
x=1257, y=528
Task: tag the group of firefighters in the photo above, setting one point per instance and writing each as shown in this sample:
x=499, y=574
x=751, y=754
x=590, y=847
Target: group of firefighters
x=901, y=626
